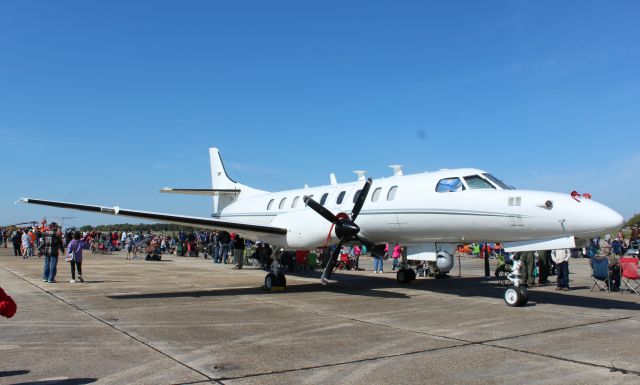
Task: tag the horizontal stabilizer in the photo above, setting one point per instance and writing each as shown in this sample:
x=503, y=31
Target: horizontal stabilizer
x=540, y=244
x=199, y=191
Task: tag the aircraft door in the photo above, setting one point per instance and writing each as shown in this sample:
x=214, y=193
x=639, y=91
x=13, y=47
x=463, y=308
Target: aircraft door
x=514, y=209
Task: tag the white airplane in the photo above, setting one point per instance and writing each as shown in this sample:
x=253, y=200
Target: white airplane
x=429, y=213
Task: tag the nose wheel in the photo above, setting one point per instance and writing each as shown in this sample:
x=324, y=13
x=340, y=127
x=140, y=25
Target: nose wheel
x=516, y=296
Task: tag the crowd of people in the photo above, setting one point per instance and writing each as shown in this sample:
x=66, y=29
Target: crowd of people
x=49, y=241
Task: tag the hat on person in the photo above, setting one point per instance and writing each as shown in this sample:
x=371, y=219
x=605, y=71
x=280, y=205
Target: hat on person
x=53, y=224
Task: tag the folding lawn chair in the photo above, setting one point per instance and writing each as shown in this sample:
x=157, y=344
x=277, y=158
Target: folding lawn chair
x=629, y=274
x=600, y=274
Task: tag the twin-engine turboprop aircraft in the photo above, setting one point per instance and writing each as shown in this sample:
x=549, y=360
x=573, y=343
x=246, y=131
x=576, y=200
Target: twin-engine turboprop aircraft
x=429, y=213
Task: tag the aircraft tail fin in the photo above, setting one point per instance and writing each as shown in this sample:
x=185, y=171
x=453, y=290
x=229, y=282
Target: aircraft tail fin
x=219, y=177
x=220, y=181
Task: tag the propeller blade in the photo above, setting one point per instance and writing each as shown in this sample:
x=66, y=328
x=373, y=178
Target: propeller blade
x=361, y=198
x=320, y=209
x=377, y=250
x=331, y=263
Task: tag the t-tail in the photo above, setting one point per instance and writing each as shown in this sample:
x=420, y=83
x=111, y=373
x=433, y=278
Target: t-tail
x=224, y=190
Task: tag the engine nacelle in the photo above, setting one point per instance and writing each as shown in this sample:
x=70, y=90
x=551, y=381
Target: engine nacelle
x=444, y=262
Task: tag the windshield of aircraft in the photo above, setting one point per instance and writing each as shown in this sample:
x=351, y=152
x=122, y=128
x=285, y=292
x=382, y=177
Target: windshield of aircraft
x=498, y=182
x=476, y=182
x=450, y=185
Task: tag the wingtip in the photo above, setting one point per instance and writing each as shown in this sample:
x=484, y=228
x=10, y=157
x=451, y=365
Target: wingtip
x=21, y=200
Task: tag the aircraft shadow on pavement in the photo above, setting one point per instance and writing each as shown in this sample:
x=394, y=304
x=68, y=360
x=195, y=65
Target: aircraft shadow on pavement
x=477, y=287
x=69, y=381
x=10, y=373
x=379, y=287
x=292, y=289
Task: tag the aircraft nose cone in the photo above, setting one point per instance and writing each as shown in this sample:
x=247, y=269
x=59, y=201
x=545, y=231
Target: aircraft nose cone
x=612, y=220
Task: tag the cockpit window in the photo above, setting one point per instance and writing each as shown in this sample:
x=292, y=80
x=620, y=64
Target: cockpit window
x=476, y=182
x=498, y=182
x=449, y=185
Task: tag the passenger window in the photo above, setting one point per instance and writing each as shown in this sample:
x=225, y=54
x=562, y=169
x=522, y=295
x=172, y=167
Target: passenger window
x=449, y=185
x=356, y=195
x=376, y=194
x=295, y=202
x=340, y=197
x=475, y=182
x=281, y=205
x=392, y=193
x=270, y=204
x=323, y=199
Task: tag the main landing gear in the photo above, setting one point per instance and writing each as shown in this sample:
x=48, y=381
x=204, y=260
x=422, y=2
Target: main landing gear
x=275, y=280
x=406, y=275
x=272, y=281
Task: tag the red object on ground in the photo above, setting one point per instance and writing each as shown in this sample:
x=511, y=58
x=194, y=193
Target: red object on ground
x=7, y=305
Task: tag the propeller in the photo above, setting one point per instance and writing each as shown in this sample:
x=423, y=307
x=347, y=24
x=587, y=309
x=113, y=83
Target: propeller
x=345, y=227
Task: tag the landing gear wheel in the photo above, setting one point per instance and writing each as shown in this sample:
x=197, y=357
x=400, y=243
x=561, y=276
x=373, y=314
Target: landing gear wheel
x=281, y=280
x=513, y=297
x=412, y=274
x=525, y=295
x=402, y=276
x=270, y=281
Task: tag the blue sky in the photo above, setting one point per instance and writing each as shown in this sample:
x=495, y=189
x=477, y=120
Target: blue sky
x=105, y=102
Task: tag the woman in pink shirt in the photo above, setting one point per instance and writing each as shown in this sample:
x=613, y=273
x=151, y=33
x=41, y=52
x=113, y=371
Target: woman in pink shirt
x=397, y=252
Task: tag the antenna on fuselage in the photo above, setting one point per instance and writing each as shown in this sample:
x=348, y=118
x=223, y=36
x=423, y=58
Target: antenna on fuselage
x=332, y=179
x=397, y=169
x=360, y=174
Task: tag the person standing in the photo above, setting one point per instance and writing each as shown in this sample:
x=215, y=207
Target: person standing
x=561, y=258
x=16, y=238
x=25, y=240
x=397, y=253
x=378, y=261
x=224, y=239
x=238, y=250
x=544, y=264
x=74, y=256
x=528, y=260
x=51, y=244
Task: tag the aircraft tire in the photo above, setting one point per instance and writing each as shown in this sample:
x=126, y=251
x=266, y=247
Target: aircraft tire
x=525, y=295
x=281, y=280
x=412, y=274
x=270, y=281
x=513, y=297
x=402, y=276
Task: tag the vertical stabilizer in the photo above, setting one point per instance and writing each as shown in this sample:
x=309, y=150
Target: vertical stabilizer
x=219, y=177
x=220, y=180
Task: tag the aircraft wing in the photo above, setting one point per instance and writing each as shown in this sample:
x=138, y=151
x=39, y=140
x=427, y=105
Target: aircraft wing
x=248, y=230
x=199, y=191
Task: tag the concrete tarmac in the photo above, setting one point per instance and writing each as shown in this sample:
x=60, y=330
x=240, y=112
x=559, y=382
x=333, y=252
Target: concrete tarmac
x=189, y=321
